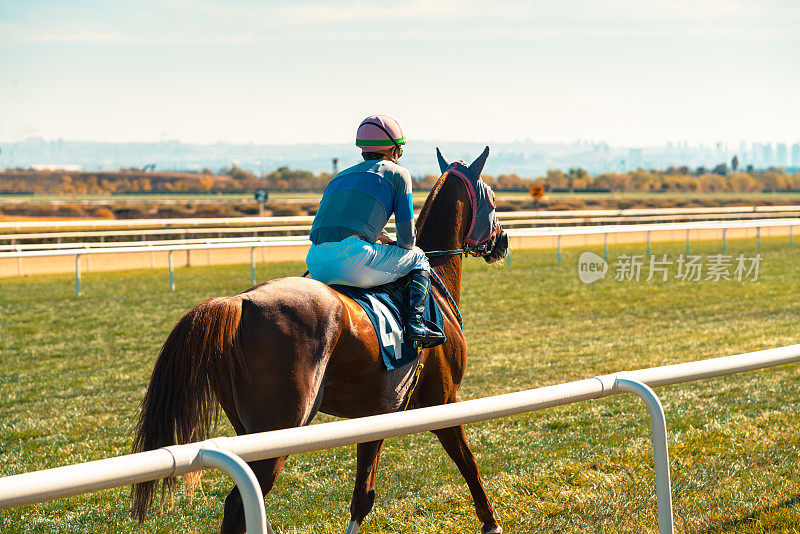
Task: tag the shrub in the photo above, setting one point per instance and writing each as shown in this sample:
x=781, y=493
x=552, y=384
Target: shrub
x=177, y=212
x=247, y=209
x=70, y=210
x=505, y=205
x=131, y=212
x=559, y=207
x=101, y=213
x=219, y=210
x=575, y=203
x=287, y=210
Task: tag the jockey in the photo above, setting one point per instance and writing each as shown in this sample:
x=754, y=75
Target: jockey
x=350, y=246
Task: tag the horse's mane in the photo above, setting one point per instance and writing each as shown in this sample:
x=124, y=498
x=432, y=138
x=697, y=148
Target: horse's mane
x=440, y=212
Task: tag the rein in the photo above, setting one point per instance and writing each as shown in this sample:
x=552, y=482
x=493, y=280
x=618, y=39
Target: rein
x=480, y=249
x=438, y=281
x=454, y=252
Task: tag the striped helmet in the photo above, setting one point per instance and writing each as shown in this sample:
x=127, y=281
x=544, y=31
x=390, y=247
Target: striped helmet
x=379, y=132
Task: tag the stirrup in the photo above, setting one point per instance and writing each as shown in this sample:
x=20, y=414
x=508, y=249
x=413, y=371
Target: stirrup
x=423, y=336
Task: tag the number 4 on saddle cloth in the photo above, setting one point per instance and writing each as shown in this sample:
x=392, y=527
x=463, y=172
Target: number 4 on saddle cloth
x=384, y=307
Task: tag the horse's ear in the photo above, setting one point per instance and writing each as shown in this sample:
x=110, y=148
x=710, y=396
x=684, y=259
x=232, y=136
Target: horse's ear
x=477, y=166
x=442, y=162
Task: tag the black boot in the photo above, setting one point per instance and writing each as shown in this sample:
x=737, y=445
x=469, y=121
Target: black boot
x=416, y=291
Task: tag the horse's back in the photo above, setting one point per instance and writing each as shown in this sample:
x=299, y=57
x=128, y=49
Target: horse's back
x=293, y=302
x=305, y=343
x=287, y=332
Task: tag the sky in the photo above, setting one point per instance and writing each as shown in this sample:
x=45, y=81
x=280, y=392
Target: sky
x=631, y=72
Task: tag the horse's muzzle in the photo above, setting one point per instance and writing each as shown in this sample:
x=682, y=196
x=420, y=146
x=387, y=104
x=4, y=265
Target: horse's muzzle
x=500, y=249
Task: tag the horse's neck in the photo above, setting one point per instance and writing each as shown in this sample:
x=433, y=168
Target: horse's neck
x=449, y=270
x=442, y=227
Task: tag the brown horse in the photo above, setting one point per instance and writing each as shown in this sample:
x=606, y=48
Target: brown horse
x=276, y=354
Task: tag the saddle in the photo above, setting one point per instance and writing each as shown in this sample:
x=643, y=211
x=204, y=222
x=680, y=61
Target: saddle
x=384, y=306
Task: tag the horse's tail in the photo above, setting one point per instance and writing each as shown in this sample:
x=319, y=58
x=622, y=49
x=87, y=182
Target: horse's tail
x=197, y=362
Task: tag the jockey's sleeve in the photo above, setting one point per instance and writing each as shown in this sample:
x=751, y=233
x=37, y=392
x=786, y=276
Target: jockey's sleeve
x=404, y=211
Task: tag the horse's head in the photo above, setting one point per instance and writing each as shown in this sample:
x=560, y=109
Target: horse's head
x=485, y=237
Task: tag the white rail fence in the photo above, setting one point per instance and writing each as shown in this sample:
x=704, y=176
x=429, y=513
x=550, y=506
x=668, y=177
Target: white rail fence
x=238, y=225
x=169, y=249
x=231, y=453
x=648, y=229
x=151, y=223
x=66, y=249
x=143, y=235
x=298, y=219
x=519, y=232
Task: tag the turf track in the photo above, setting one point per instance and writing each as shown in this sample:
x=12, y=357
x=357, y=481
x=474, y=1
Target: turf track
x=73, y=370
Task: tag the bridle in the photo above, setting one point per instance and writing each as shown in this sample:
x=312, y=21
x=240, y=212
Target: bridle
x=484, y=249
x=472, y=246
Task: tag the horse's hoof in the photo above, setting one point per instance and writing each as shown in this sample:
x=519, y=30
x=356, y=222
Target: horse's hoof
x=352, y=528
x=493, y=530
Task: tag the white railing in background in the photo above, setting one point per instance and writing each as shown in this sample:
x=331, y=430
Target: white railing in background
x=183, y=228
x=159, y=242
x=152, y=223
x=181, y=233
x=230, y=453
x=722, y=226
x=507, y=218
x=252, y=244
x=86, y=249
x=307, y=219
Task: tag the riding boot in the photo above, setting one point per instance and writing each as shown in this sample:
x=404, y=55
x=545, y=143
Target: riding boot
x=416, y=292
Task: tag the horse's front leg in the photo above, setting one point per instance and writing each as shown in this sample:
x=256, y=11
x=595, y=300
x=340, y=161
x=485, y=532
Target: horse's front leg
x=368, y=455
x=455, y=443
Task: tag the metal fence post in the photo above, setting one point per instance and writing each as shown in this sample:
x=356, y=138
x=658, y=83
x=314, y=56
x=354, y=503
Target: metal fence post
x=648, y=242
x=558, y=249
x=658, y=425
x=250, y=490
x=758, y=238
x=724, y=240
x=171, y=275
x=790, y=234
x=687, y=241
x=252, y=266
x=77, y=275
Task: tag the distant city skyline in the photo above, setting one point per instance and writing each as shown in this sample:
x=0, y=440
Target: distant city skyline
x=526, y=158
x=633, y=73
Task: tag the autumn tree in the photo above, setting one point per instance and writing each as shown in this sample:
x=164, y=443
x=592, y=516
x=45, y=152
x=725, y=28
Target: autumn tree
x=740, y=182
x=556, y=179
x=712, y=183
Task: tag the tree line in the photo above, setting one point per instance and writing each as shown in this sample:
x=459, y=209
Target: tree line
x=673, y=179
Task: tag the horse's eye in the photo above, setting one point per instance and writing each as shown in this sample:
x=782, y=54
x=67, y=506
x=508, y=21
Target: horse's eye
x=490, y=198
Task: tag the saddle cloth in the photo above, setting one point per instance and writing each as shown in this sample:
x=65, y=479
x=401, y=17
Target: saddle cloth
x=384, y=306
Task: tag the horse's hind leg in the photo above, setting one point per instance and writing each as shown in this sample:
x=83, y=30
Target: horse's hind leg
x=266, y=471
x=455, y=443
x=368, y=455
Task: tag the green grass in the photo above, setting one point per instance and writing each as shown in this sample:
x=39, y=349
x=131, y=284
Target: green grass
x=73, y=371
